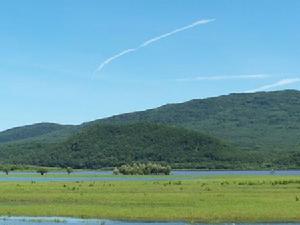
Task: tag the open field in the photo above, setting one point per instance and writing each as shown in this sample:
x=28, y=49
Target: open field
x=209, y=199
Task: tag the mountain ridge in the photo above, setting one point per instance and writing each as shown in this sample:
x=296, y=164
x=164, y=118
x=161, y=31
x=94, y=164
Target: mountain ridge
x=242, y=115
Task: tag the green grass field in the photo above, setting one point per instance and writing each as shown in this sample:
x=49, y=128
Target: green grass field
x=210, y=199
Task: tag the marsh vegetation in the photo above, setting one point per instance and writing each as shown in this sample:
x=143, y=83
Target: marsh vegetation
x=209, y=199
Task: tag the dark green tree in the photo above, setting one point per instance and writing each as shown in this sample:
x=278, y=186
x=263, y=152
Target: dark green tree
x=42, y=171
x=69, y=170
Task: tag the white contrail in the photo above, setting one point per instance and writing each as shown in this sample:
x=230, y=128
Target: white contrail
x=197, y=23
x=227, y=77
x=279, y=83
x=150, y=41
x=107, y=61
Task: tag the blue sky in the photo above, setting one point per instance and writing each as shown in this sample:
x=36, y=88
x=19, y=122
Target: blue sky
x=50, y=50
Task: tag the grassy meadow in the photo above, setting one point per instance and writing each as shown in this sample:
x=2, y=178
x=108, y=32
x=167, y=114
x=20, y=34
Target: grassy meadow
x=209, y=199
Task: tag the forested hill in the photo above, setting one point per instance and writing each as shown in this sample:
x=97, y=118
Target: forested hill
x=266, y=121
x=30, y=131
x=106, y=145
x=234, y=131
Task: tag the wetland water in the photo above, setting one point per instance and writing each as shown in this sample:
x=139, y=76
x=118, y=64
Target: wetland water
x=107, y=175
x=235, y=172
x=74, y=221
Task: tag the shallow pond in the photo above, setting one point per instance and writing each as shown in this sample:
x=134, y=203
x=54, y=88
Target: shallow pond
x=74, y=221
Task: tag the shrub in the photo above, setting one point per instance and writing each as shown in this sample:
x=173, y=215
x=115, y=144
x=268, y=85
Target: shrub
x=116, y=171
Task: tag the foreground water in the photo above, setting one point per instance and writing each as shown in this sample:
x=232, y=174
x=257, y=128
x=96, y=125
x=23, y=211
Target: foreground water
x=74, y=221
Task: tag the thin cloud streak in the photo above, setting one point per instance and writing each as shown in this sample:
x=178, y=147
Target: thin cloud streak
x=230, y=77
x=279, y=83
x=107, y=61
x=151, y=41
x=197, y=23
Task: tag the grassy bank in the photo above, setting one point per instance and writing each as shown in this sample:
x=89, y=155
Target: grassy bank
x=211, y=199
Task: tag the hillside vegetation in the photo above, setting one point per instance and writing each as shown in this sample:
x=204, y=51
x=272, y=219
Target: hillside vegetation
x=46, y=132
x=112, y=145
x=237, y=131
x=265, y=121
x=29, y=131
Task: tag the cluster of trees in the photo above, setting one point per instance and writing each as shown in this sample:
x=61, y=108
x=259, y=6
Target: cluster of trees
x=143, y=169
x=41, y=170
